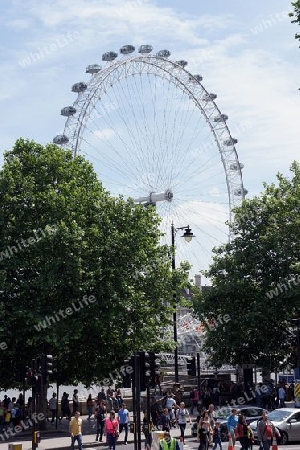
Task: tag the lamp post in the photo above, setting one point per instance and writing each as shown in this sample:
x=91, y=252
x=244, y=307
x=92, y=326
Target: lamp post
x=188, y=236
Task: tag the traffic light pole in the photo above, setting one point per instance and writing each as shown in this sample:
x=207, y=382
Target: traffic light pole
x=34, y=405
x=138, y=401
x=134, y=375
x=198, y=380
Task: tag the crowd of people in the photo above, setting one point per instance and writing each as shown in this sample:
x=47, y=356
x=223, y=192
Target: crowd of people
x=13, y=410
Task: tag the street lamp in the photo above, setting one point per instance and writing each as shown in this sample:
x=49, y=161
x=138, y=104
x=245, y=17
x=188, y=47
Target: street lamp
x=188, y=236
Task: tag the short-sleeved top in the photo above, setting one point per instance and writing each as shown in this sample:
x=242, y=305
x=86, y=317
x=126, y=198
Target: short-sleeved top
x=123, y=415
x=75, y=426
x=112, y=426
x=170, y=402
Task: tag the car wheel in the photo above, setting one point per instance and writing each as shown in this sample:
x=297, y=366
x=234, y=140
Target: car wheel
x=284, y=438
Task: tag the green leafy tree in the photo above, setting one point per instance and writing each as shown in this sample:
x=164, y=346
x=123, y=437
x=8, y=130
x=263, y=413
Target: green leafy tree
x=83, y=275
x=296, y=16
x=255, y=288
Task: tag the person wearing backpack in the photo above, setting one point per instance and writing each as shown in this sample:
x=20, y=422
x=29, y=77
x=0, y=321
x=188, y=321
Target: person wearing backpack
x=182, y=416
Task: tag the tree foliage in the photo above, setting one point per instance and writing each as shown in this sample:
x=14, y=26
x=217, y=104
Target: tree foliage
x=296, y=16
x=256, y=280
x=66, y=242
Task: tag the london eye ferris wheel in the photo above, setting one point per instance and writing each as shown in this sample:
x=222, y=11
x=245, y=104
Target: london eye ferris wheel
x=154, y=133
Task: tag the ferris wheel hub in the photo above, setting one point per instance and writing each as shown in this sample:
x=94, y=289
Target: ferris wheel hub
x=155, y=197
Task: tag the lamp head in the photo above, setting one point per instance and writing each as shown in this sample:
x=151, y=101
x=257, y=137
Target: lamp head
x=188, y=234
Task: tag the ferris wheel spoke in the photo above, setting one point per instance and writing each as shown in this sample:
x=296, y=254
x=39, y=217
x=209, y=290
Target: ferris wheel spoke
x=150, y=126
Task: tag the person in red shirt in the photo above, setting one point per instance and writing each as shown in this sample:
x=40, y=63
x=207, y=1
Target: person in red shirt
x=112, y=427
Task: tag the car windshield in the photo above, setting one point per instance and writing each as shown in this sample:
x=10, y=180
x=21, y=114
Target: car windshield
x=223, y=413
x=279, y=415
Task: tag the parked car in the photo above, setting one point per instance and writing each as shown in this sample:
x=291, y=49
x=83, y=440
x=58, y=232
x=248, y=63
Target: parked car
x=252, y=413
x=287, y=421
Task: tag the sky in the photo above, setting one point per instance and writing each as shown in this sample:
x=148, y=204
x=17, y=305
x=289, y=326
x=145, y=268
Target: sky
x=245, y=51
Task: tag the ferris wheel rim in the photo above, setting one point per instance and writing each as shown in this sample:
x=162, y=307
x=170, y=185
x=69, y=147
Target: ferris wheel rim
x=233, y=170
x=191, y=87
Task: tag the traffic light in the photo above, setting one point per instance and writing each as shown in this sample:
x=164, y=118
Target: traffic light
x=127, y=374
x=154, y=368
x=144, y=365
x=191, y=366
x=47, y=366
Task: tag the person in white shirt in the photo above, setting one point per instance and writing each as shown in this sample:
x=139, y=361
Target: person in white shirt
x=53, y=406
x=171, y=404
x=182, y=416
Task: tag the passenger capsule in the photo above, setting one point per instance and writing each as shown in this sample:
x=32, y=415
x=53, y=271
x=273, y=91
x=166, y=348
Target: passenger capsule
x=60, y=139
x=126, y=49
x=240, y=192
x=209, y=97
x=109, y=56
x=163, y=54
x=79, y=87
x=236, y=166
x=231, y=141
x=182, y=63
x=68, y=111
x=93, y=68
x=220, y=118
x=196, y=78
x=145, y=49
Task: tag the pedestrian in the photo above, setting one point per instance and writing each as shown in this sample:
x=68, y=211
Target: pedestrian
x=281, y=396
x=101, y=396
x=109, y=396
x=204, y=431
x=165, y=422
x=154, y=411
x=65, y=406
x=123, y=418
x=75, y=401
x=265, y=432
x=232, y=423
x=53, y=406
x=212, y=417
x=194, y=396
x=182, y=416
x=119, y=398
x=75, y=429
x=90, y=406
x=2, y=415
x=242, y=432
x=217, y=435
x=171, y=405
x=100, y=416
x=168, y=442
x=112, y=426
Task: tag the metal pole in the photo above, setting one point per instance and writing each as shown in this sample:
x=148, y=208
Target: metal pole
x=175, y=308
x=138, y=401
x=57, y=393
x=134, y=399
x=198, y=381
x=33, y=365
